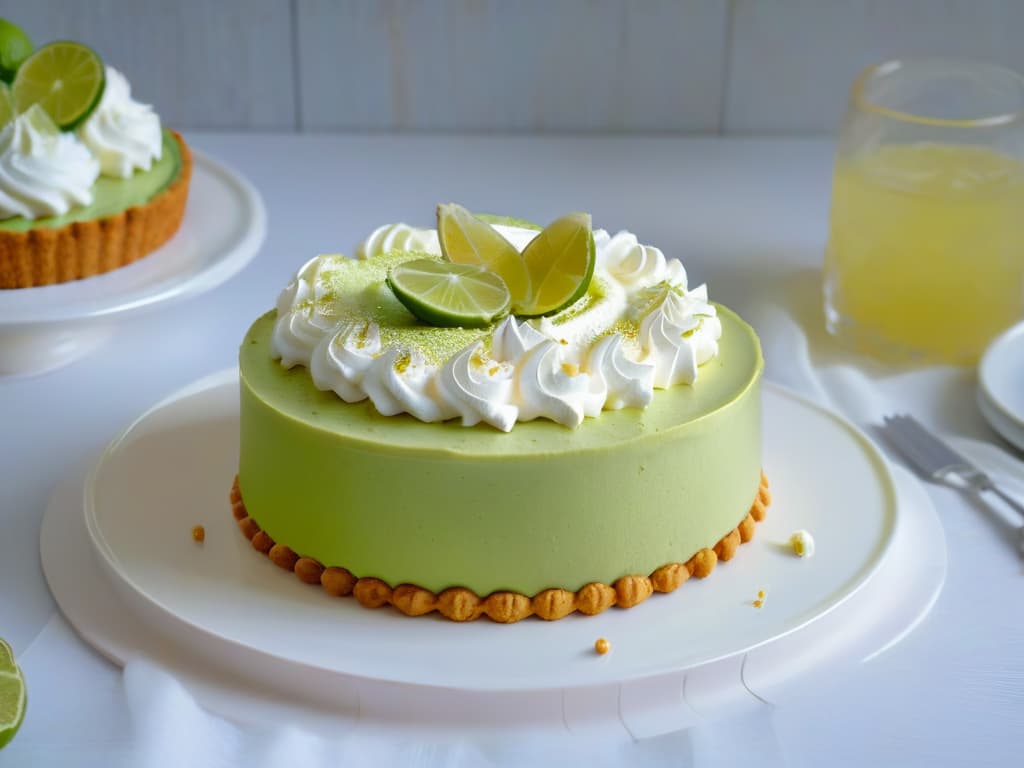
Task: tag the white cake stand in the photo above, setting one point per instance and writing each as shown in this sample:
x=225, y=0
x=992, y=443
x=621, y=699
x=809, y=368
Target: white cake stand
x=254, y=644
x=50, y=326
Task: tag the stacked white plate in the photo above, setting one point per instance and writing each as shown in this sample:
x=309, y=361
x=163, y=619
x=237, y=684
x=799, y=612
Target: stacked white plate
x=1001, y=385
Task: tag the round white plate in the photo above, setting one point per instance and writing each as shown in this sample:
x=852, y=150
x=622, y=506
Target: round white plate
x=224, y=226
x=250, y=688
x=173, y=467
x=1001, y=385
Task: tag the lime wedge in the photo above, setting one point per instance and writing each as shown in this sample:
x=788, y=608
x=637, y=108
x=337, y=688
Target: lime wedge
x=15, y=47
x=12, y=695
x=465, y=239
x=6, y=105
x=560, y=264
x=66, y=79
x=449, y=295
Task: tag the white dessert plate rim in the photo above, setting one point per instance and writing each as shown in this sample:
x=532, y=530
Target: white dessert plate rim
x=223, y=229
x=1001, y=384
x=145, y=548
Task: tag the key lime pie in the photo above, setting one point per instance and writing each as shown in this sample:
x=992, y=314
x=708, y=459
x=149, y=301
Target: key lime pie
x=496, y=419
x=89, y=180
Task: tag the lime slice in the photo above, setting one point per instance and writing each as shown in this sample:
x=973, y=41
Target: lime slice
x=6, y=105
x=12, y=695
x=66, y=79
x=465, y=239
x=15, y=47
x=560, y=263
x=449, y=295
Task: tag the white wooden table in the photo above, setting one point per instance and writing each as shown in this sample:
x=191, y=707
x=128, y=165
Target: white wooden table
x=741, y=214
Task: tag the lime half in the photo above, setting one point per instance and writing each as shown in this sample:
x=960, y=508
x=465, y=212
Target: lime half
x=465, y=239
x=450, y=295
x=7, y=112
x=560, y=264
x=12, y=695
x=66, y=79
x=15, y=47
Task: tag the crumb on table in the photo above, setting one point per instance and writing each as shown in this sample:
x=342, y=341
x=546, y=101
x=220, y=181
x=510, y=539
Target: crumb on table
x=602, y=646
x=198, y=534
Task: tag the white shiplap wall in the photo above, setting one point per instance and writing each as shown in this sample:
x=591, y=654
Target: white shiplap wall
x=203, y=64
x=667, y=66
x=791, y=61
x=524, y=65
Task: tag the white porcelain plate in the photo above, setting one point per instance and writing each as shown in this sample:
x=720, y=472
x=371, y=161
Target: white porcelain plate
x=1001, y=385
x=172, y=469
x=224, y=226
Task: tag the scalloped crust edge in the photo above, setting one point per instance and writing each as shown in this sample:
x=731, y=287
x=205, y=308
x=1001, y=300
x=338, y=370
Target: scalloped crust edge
x=462, y=604
x=46, y=256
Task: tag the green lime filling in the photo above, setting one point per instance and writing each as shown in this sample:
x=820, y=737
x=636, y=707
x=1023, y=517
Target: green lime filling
x=111, y=195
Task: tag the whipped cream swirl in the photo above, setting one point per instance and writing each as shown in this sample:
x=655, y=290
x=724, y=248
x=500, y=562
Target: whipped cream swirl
x=122, y=133
x=678, y=334
x=479, y=389
x=398, y=237
x=563, y=368
x=43, y=172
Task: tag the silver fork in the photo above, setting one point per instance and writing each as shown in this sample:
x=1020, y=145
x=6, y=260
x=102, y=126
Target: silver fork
x=940, y=463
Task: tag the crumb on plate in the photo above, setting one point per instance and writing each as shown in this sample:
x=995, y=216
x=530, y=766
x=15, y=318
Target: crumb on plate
x=602, y=646
x=198, y=534
x=802, y=543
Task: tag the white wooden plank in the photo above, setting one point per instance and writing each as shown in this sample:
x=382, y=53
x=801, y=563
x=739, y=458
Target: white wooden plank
x=486, y=65
x=222, y=65
x=792, y=61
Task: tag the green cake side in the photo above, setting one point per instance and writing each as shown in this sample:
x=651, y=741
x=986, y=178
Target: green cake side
x=442, y=505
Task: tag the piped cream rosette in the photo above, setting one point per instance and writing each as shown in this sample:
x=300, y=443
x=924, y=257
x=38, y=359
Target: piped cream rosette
x=638, y=328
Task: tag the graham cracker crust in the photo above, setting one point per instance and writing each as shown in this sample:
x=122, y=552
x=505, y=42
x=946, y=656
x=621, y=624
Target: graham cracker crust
x=45, y=255
x=462, y=604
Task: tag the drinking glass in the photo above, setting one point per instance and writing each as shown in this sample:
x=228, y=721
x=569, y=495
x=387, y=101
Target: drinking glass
x=925, y=257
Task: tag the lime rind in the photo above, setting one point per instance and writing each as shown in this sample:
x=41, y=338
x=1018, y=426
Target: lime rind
x=560, y=261
x=13, y=695
x=7, y=658
x=65, y=78
x=7, y=113
x=15, y=47
x=449, y=295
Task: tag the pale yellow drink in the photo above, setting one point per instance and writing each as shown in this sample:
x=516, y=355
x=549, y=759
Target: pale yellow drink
x=926, y=249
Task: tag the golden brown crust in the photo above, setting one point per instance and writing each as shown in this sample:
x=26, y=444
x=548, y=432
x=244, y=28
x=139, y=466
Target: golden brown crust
x=461, y=604
x=44, y=255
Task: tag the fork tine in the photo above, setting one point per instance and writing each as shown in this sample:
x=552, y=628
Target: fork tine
x=936, y=451
x=929, y=454
x=896, y=433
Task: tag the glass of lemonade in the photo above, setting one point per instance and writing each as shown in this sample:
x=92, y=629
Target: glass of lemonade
x=925, y=258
